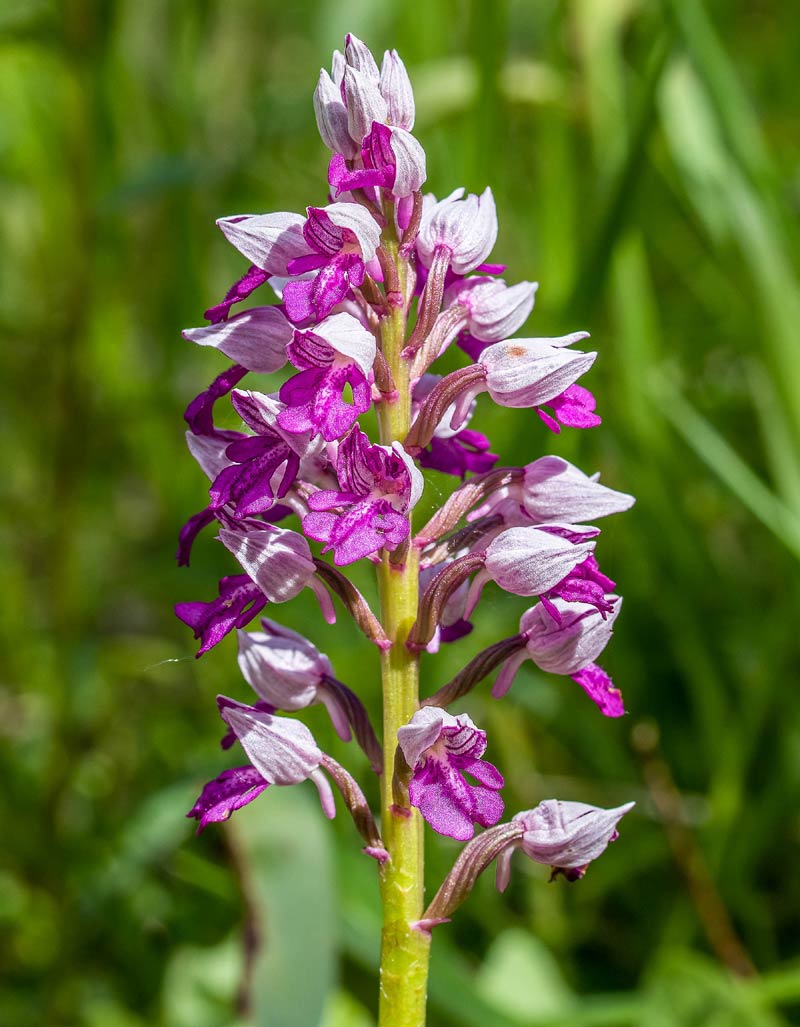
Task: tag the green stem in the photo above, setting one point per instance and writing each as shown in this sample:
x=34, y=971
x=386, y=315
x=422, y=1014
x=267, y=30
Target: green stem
x=404, y=950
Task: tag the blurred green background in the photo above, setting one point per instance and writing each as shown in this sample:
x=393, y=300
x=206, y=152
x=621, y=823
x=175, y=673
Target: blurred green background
x=644, y=156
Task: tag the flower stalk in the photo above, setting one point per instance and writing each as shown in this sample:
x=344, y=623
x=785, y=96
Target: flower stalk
x=405, y=950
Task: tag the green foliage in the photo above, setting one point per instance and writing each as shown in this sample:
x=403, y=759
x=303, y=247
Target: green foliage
x=644, y=164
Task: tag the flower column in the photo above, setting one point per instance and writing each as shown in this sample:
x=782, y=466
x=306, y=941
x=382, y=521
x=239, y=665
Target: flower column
x=404, y=949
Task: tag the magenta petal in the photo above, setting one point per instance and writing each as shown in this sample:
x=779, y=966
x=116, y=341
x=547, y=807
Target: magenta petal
x=314, y=401
x=488, y=808
x=199, y=413
x=297, y=300
x=189, y=533
x=485, y=773
x=549, y=421
x=240, y=600
x=230, y=791
x=238, y=291
x=441, y=805
x=600, y=689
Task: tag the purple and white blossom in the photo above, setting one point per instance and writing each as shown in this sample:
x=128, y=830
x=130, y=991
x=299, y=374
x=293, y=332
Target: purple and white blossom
x=530, y=561
x=338, y=353
x=567, y=646
x=341, y=239
x=462, y=229
x=492, y=310
x=440, y=749
x=289, y=673
x=552, y=489
x=391, y=159
x=566, y=836
x=378, y=487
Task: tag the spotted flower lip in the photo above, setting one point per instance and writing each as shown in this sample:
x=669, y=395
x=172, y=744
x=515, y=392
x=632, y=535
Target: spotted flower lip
x=379, y=486
x=567, y=836
x=256, y=339
x=464, y=226
x=440, y=749
x=337, y=353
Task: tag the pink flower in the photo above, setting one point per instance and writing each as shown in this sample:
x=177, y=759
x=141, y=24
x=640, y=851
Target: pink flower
x=379, y=486
x=440, y=749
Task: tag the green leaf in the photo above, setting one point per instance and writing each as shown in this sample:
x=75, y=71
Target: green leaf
x=521, y=977
x=283, y=845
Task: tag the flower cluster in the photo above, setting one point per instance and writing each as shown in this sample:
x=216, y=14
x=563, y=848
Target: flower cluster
x=337, y=285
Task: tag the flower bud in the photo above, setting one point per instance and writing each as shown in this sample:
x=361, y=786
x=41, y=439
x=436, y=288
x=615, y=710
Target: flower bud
x=395, y=87
x=464, y=227
x=564, y=835
x=283, y=668
x=281, y=749
x=494, y=310
x=363, y=101
x=560, y=648
x=528, y=372
x=331, y=116
x=359, y=56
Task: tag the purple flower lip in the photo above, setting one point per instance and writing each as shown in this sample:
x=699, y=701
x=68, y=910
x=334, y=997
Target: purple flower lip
x=337, y=353
x=240, y=600
x=440, y=749
x=379, y=487
x=341, y=239
x=221, y=797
